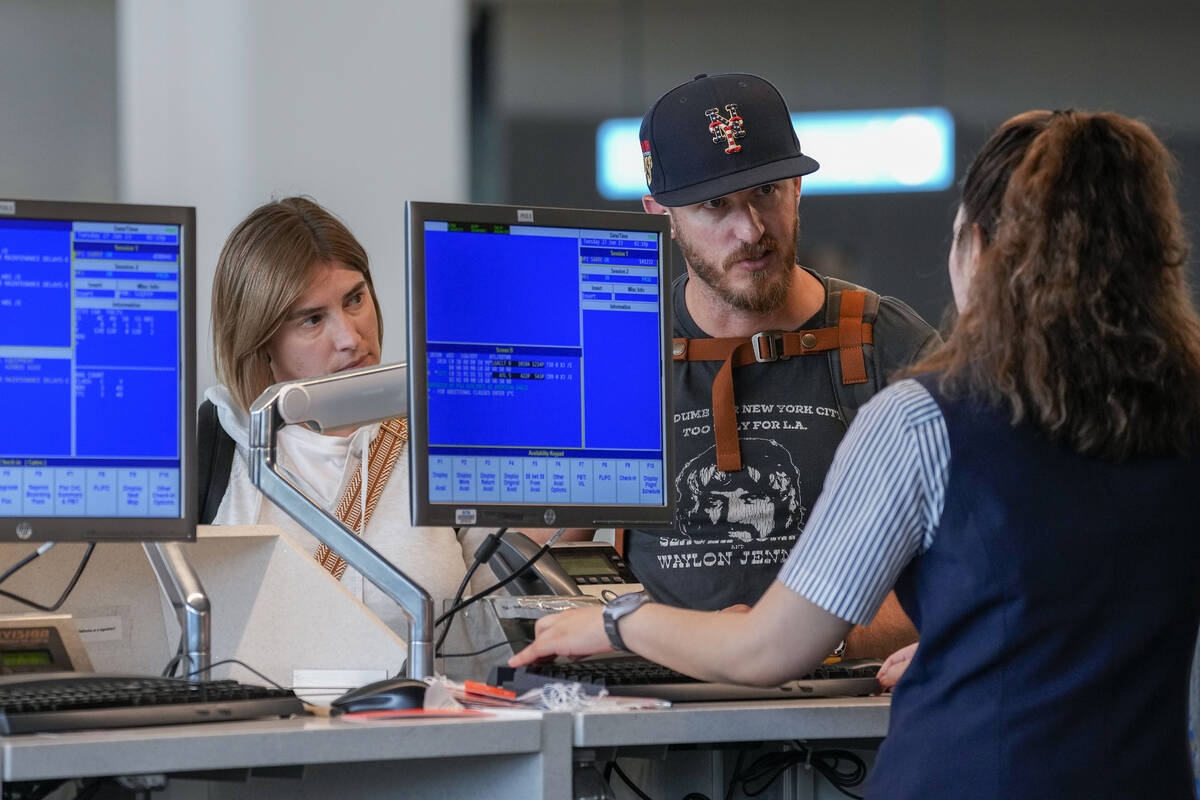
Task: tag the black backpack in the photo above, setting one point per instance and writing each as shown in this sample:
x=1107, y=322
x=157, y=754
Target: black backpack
x=215, y=450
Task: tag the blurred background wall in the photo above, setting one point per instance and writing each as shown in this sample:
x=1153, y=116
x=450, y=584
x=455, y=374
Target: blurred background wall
x=362, y=104
x=552, y=69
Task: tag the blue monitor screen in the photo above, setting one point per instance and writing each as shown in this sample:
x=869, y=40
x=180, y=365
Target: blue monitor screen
x=543, y=392
x=92, y=364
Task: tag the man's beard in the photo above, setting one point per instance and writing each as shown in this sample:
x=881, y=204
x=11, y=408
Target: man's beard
x=768, y=290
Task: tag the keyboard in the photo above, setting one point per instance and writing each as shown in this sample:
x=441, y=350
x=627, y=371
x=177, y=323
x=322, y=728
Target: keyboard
x=634, y=676
x=68, y=701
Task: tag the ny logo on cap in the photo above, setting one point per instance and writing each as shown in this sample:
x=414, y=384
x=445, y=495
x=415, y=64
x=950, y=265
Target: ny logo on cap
x=726, y=130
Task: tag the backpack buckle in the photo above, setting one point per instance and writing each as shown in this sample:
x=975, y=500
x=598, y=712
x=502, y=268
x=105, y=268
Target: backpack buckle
x=774, y=346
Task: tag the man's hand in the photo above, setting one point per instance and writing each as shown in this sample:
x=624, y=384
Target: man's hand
x=894, y=665
x=577, y=632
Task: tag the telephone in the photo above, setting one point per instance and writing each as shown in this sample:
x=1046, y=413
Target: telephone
x=570, y=575
x=544, y=577
x=570, y=569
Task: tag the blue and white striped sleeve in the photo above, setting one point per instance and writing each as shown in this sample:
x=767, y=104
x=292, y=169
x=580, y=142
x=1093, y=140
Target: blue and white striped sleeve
x=881, y=503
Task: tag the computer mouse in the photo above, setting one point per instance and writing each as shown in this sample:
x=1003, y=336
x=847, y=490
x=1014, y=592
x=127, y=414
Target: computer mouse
x=389, y=694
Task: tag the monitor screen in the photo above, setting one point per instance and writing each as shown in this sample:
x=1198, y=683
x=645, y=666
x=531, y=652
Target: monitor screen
x=97, y=313
x=539, y=366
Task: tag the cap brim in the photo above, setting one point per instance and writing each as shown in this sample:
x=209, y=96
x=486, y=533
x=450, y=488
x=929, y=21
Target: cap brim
x=746, y=179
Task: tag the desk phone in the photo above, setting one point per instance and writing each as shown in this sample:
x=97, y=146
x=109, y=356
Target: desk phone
x=595, y=567
x=569, y=569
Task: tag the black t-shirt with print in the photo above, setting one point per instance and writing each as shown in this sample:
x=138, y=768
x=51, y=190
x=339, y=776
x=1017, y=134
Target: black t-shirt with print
x=733, y=530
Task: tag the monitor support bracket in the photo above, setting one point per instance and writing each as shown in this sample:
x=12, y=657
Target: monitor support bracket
x=325, y=403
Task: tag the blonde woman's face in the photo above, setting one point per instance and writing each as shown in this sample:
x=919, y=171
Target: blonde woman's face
x=331, y=327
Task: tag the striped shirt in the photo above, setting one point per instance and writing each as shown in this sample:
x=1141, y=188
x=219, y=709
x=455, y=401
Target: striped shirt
x=880, y=506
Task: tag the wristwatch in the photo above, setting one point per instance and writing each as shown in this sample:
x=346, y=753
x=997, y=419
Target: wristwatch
x=618, y=607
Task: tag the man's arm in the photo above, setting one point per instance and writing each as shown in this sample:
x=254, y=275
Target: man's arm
x=888, y=632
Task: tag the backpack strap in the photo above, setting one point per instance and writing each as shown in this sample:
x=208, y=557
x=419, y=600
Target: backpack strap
x=382, y=455
x=215, y=461
x=845, y=340
x=857, y=379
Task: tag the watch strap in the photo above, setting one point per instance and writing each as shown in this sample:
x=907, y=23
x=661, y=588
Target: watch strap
x=618, y=608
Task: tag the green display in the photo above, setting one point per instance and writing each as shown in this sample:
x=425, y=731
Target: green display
x=585, y=564
x=25, y=658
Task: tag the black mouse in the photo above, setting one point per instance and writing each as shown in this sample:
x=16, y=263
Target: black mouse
x=389, y=694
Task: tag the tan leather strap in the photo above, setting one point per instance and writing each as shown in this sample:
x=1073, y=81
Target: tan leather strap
x=849, y=337
x=381, y=458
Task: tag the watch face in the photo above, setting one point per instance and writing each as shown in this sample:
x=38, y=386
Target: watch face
x=627, y=602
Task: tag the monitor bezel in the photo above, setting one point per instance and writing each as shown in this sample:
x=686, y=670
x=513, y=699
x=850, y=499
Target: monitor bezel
x=425, y=512
x=143, y=529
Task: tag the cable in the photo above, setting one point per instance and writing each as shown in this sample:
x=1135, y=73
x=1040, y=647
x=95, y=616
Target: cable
x=484, y=650
x=613, y=766
x=31, y=790
x=8, y=572
x=66, y=592
x=169, y=670
x=485, y=551
x=501, y=584
x=767, y=768
x=179, y=657
x=240, y=664
x=737, y=768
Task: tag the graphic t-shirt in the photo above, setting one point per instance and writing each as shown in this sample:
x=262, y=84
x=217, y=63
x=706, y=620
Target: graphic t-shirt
x=734, y=530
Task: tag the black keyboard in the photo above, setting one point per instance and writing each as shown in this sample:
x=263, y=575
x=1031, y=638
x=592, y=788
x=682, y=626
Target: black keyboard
x=68, y=701
x=637, y=677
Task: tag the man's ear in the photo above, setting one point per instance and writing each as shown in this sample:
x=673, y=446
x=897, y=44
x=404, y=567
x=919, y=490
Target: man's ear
x=652, y=206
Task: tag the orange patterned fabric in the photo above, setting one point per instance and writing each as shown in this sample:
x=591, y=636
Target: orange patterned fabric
x=381, y=458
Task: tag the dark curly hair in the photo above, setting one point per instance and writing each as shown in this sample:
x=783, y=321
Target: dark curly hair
x=1079, y=319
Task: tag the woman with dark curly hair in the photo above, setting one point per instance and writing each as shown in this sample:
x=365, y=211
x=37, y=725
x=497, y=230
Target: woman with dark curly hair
x=1028, y=490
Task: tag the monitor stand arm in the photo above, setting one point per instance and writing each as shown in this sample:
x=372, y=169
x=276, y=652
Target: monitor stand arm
x=182, y=586
x=265, y=421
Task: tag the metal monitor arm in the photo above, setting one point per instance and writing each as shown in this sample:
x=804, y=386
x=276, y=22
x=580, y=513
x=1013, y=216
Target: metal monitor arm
x=327, y=403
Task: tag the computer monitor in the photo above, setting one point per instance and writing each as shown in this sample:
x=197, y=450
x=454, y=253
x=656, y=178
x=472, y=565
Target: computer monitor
x=539, y=366
x=97, y=371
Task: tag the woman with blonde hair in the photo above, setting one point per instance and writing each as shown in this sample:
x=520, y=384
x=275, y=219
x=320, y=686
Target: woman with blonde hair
x=1029, y=491
x=293, y=298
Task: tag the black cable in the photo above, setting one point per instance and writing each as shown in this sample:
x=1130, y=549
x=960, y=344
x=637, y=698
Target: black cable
x=766, y=769
x=501, y=584
x=31, y=790
x=91, y=789
x=169, y=670
x=8, y=572
x=179, y=657
x=695, y=796
x=484, y=650
x=625, y=778
x=66, y=592
x=737, y=768
x=486, y=550
x=240, y=664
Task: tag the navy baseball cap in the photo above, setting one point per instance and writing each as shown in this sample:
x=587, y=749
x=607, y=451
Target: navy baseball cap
x=719, y=134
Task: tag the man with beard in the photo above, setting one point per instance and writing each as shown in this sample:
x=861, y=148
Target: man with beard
x=766, y=351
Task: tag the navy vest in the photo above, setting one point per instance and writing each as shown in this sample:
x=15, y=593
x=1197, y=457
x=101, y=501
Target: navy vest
x=1058, y=608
